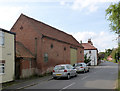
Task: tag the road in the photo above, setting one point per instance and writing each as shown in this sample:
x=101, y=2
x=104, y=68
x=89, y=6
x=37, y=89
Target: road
x=100, y=77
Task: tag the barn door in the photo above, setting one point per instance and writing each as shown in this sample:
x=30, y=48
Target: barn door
x=73, y=56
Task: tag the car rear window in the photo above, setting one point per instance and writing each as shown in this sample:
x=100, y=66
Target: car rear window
x=79, y=64
x=59, y=67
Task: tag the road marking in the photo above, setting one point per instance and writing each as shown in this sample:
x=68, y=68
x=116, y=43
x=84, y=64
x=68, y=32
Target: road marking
x=84, y=77
x=67, y=86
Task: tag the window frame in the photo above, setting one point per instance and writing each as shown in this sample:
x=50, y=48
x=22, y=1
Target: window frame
x=2, y=68
x=45, y=57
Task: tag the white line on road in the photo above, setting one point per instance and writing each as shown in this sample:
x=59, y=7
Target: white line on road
x=67, y=86
x=84, y=77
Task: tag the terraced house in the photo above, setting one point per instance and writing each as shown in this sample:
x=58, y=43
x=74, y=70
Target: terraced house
x=49, y=46
x=7, y=55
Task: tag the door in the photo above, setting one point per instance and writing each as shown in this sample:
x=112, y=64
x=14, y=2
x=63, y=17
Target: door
x=73, y=56
x=17, y=69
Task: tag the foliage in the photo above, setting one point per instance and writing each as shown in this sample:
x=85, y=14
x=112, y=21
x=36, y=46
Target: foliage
x=117, y=53
x=113, y=15
x=113, y=53
x=101, y=55
x=86, y=59
x=108, y=52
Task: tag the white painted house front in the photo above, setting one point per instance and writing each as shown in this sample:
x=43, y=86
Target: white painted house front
x=7, y=56
x=91, y=51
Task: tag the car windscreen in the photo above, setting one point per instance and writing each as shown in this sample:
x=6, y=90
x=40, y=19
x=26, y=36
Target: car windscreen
x=59, y=67
x=79, y=64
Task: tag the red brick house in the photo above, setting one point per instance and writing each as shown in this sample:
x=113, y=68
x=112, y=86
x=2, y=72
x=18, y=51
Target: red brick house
x=49, y=45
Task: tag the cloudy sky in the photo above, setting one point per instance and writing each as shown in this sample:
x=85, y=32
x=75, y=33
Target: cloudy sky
x=83, y=19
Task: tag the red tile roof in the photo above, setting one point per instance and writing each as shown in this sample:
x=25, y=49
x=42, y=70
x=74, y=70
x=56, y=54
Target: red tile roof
x=52, y=32
x=88, y=46
x=22, y=51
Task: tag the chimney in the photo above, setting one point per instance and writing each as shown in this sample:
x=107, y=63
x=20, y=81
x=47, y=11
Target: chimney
x=89, y=41
x=80, y=41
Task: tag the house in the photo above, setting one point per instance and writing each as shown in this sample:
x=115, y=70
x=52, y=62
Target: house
x=109, y=58
x=50, y=46
x=7, y=55
x=91, y=51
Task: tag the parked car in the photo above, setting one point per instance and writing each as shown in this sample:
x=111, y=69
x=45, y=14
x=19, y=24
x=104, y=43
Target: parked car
x=64, y=70
x=81, y=67
x=89, y=64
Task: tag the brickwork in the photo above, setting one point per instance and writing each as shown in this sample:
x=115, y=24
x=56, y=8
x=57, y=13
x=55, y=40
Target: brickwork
x=56, y=45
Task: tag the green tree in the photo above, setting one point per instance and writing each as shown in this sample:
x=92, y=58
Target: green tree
x=108, y=52
x=101, y=55
x=113, y=15
x=117, y=54
x=86, y=59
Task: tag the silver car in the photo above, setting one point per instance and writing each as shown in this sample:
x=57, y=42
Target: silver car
x=64, y=70
x=81, y=67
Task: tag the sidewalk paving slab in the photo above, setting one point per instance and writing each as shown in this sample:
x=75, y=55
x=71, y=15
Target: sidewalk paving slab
x=26, y=83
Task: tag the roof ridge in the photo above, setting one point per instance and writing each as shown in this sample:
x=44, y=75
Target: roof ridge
x=86, y=47
x=46, y=24
x=55, y=29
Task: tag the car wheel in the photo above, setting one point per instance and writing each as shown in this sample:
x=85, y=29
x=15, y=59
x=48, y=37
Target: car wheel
x=55, y=78
x=84, y=71
x=68, y=76
x=76, y=75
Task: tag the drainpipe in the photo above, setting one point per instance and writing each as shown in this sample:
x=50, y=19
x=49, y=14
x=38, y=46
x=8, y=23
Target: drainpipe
x=35, y=48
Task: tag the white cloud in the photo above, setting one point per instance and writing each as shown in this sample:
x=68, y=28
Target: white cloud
x=9, y=15
x=36, y=1
x=102, y=40
x=87, y=5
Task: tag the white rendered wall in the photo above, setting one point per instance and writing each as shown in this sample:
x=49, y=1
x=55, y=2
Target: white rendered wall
x=93, y=56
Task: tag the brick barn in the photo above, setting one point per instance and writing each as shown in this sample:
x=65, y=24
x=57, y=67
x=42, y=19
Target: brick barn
x=49, y=45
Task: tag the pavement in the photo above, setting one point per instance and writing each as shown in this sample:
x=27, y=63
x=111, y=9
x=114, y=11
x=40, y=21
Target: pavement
x=21, y=84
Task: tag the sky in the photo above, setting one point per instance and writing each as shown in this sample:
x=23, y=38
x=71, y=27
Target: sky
x=84, y=19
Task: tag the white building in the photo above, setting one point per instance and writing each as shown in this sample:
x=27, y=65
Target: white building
x=7, y=55
x=91, y=51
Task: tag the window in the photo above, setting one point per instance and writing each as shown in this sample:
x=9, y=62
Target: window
x=51, y=46
x=89, y=52
x=45, y=57
x=69, y=67
x=1, y=38
x=64, y=48
x=21, y=28
x=2, y=68
x=80, y=51
x=59, y=67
